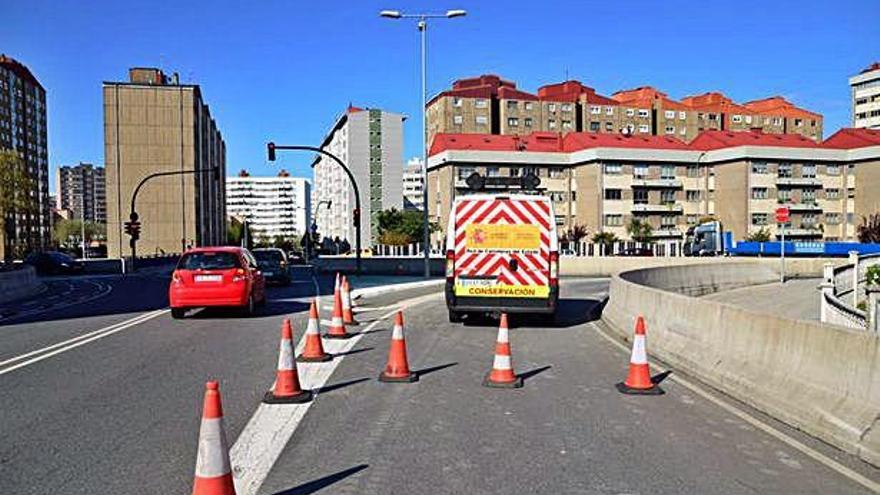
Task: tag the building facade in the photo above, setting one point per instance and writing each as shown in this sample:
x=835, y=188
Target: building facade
x=604, y=182
x=154, y=124
x=23, y=129
x=488, y=104
x=865, y=89
x=413, y=185
x=370, y=143
x=273, y=206
x=81, y=190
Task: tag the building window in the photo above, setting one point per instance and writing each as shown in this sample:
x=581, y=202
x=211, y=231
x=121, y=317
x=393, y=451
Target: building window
x=760, y=193
x=736, y=119
x=594, y=126
x=692, y=219
x=640, y=196
x=798, y=122
x=465, y=172
x=643, y=113
x=832, y=193
x=515, y=171
x=528, y=122
x=640, y=171
x=759, y=168
x=693, y=171
x=809, y=219
x=457, y=119
x=783, y=195
x=609, y=110
x=566, y=124
x=556, y=172
x=808, y=196
x=630, y=112
x=667, y=197
x=808, y=171
x=566, y=107
x=644, y=129
x=613, y=168
x=748, y=119
x=667, y=172
x=693, y=195
x=551, y=107
x=850, y=218
x=670, y=129
x=595, y=110
x=784, y=170
x=759, y=218
x=512, y=104
x=777, y=121
x=481, y=103
x=493, y=172
x=527, y=105
x=832, y=169
x=482, y=120
x=668, y=221
x=613, y=220
x=609, y=127
x=670, y=114
x=613, y=194
x=513, y=122
x=456, y=101
x=832, y=218
x=551, y=124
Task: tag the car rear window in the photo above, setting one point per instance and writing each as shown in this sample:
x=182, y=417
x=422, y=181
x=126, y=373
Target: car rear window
x=208, y=261
x=268, y=256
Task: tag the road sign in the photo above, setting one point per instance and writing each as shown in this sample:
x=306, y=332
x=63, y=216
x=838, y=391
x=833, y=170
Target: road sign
x=782, y=214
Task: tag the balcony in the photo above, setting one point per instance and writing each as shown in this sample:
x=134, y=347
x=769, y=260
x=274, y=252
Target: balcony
x=811, y=233
x=803, y=206
x=646, y=208
x=666, y=233
x=657, y=183
x=798, y=182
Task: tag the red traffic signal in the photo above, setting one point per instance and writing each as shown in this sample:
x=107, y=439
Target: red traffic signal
x=271, y=149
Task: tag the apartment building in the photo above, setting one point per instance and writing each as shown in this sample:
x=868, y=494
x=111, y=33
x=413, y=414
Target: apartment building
x=865, y=89
x=23, y=129
x=370, y=143
x=413, y=185
x=488, y=104
x=273, y=206
x=152, y=124
x=81, y=190
x=603, y=182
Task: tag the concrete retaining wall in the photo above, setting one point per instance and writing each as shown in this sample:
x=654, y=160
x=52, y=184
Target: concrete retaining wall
x=609, y=265
x=822, y=379
x=16, y=284
x=380, y=266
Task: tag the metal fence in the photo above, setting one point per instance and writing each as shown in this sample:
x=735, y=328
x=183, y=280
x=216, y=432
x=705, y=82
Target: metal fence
x=577, y=249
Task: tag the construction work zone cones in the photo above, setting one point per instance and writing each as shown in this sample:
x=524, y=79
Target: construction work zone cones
x=397, y=369
x=213, y=471
x=337, y=326
x=638, y=381
x=287, y=389
x=313, y=350
x=347, y=314
x=502, y=375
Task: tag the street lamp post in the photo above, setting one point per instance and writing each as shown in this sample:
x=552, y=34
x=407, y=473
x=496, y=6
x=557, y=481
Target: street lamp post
x=423, y=27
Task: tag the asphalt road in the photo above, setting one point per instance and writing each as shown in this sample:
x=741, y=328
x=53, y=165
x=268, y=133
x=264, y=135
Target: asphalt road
x=120, y=413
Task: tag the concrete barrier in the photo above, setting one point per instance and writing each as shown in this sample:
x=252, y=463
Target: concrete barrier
x=379, y=265
x=608, y=265
x=822, y=379
x=19, y=283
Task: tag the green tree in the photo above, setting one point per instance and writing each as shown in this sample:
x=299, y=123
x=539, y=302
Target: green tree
x=604, y=238
x=16, y=196
x=869, y=230
x=401, y=227
x=639, y=230
x=575, y=233
x=762, y=235
x=69, y=233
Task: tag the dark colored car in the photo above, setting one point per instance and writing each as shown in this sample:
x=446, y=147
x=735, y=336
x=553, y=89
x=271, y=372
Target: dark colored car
x=273, y=263
x=54, y=263
x=216, y=276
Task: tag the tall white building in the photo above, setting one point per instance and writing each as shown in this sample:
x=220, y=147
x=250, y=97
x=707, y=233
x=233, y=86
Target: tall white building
x=866, y=97
x=413, y=185
x=273, y=206
x=370, y=143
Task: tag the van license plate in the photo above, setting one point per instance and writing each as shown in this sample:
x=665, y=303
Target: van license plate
x=476, y=282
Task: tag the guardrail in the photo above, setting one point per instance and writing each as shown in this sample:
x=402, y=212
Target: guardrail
x=843, y=288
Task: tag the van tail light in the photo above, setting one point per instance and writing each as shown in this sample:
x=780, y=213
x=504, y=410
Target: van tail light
x=175, y=277
x=239, y=275
x=554, y=269
x=450, y=264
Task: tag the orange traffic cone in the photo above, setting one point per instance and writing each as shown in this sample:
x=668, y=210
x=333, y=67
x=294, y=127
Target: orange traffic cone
x=347, y=314
x=313, y=350
x=638, y=381
x=287, y=389
x=502, y=375
x=337, y=327
x=397, y=369
x=213, y=470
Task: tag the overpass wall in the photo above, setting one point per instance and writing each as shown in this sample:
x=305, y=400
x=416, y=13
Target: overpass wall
x=19, y=283
x=822, y=379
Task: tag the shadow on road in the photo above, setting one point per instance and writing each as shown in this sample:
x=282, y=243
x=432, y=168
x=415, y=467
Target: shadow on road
x=426, y=371
x=571, y=312
x=337, y=386
x=321, y=483
x=659, y=377
x=528, y=374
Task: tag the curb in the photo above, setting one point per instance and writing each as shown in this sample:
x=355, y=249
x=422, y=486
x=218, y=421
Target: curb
x=385, y=289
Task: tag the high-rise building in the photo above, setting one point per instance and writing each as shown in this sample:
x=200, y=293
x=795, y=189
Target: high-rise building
x=370, y=143
x=488, y=104
x=82, y=190
x=272, y=206
x=604, y=182
x=23, y=129
x=865, y=89
x=413, y=185
x=153, y=123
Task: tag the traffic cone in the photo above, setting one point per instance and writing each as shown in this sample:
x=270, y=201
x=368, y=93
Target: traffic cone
x=337, y=327
x=397, y=369
x=347, y=314
x=638, y=381
x=287, y=389
x=502, y=375
x=213, y=471
x=313, y=350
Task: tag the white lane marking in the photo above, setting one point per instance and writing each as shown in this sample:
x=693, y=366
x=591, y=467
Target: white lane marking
x=757, y=423
x=77, y=341
x=270, y=428
x=38, y=311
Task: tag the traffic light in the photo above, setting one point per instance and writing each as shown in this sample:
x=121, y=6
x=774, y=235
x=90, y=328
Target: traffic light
x=357, y=217
x=271, y=148
x=128, y=228
x=133, y=229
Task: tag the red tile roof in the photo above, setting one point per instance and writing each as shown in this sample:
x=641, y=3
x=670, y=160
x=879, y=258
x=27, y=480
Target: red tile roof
x=576, y=141
x=645, y=96
x=777, y=105
x=550, y=142
x=849, y=138
x=713, y=140
x=870, y=68
x=572, y=91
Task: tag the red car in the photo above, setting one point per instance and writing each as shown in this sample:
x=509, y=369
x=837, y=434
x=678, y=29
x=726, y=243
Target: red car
x=216, y=276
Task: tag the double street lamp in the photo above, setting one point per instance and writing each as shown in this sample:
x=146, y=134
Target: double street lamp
x=423, y=26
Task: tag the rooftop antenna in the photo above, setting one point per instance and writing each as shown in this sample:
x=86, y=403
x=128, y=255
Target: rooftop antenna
x=566, y=73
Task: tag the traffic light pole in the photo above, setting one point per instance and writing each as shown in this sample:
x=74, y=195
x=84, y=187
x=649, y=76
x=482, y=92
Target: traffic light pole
x=133, y=215
x=357, y=195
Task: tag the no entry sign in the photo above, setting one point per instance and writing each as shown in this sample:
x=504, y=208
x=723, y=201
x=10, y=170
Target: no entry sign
x=782, y=215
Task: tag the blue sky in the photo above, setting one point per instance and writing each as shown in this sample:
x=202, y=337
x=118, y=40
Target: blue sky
x=282, y=71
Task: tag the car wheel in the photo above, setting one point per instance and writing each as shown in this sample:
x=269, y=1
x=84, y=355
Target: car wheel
x=455, y=317
x=178, y=313
x=250, y=307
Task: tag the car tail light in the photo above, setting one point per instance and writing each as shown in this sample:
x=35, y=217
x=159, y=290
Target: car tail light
x=239, y=275
x=450, y=264
x=554, y=268
x=175, y=277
